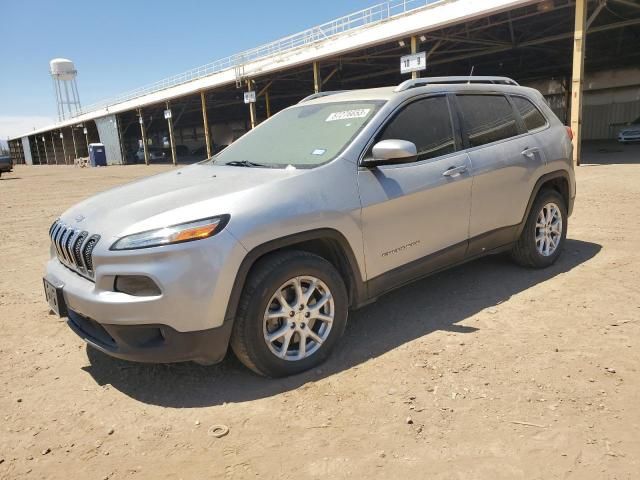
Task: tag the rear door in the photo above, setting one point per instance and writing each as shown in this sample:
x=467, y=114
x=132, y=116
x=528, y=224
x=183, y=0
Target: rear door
x=505, y=159
x=414, y=210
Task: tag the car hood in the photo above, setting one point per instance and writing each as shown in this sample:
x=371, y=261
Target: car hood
x=179, y=196
x=630, y=130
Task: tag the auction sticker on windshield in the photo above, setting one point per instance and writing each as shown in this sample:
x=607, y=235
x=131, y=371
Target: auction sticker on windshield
x=347, y=114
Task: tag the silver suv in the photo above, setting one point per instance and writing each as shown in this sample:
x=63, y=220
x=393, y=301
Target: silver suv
x=321, y=209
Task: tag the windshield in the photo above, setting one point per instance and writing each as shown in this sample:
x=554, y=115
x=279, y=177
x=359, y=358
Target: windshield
x=304, y=136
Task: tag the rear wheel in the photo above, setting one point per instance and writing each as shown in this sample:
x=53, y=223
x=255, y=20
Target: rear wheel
x=544, y=233
x=292, y=312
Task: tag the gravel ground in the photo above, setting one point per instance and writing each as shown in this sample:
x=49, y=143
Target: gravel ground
x=486, y=371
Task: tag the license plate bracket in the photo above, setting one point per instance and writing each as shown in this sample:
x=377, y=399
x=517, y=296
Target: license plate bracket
x=55, y=298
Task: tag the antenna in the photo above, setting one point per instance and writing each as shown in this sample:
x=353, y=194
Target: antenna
x=471, y=73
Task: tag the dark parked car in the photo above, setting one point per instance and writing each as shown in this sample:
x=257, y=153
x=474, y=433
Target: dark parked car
x=155, y=153
x=202, y=151
x=6, y=164
x=181, y=151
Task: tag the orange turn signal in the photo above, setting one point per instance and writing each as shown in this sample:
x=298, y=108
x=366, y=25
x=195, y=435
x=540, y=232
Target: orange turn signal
x=195, y=233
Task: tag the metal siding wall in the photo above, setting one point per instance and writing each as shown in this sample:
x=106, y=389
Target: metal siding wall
x=108, y=133
x=26, y=148
x=597, y=119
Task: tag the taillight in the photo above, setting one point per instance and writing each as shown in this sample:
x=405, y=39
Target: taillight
x=570, y=133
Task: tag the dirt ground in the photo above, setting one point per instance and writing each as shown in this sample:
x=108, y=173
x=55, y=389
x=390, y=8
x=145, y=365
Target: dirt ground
x=487, y=371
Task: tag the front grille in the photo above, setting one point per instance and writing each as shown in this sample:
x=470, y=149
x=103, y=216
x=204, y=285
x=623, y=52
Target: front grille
x=74, y=247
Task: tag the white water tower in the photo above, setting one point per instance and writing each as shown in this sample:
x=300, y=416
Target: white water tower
x=64, y=73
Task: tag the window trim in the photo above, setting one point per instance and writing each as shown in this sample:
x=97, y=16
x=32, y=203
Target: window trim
x=524, y=125
x=458, y=147
x=465, y=137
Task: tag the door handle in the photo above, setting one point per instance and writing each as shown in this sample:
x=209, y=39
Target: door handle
x=530, y=152
x=454, y=171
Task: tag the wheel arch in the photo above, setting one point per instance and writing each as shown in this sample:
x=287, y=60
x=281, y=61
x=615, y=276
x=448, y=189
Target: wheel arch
x=558, y=181
x=327, y=243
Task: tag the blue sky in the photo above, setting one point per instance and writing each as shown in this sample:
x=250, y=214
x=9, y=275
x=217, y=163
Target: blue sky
x=118, y=45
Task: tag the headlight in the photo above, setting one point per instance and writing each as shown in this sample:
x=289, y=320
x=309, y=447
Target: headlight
x=184, y=232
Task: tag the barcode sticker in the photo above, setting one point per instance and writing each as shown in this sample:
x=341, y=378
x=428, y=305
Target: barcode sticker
x=347, y=114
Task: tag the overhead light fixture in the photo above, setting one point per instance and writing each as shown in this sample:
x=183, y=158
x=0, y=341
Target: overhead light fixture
x=545, y=6
x=423, y=38
x=401, y=43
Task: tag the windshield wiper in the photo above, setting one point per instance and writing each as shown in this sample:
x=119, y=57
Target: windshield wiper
x=245, y=163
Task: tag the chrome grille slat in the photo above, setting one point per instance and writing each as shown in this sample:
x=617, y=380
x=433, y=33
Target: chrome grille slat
x=57, y=238
x=63, y=242
x=74, y=248
x=67, y=246
x=77, y=250
x=54, y=235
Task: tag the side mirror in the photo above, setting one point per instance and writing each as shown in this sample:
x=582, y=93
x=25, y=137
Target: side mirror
x=389, y=152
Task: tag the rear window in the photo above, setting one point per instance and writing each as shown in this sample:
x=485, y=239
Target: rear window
x=529, y=112
x=486, y=118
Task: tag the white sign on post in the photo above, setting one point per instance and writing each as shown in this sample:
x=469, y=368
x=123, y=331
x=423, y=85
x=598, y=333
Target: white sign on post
x=250, y=97
x=413, y=63
x=167, y=114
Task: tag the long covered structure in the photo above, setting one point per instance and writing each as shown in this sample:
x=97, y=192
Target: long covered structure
x=582, y=55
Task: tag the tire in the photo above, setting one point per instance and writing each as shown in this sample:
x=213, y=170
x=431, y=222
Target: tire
x=280, y=272
x=527, y=251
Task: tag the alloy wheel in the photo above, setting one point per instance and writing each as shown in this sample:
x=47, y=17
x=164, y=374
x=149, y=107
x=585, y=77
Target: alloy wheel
x=298, y=318
x=548, y=229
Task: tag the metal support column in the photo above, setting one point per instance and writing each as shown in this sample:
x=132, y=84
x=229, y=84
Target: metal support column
x=144, y=137
x=173, y=143
x=53, y=146
x=317, y=81
x=252, y=105
x=38, y=150
x=75, y=147
x=64, y=150
x=414, y=50
x=267, y=99
x=46, y=153
x=123, y=151
x=267, y=103
x=577, y=78
x=205, y=121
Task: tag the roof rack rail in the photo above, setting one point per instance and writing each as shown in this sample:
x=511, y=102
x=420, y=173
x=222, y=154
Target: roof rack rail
x=421, y=82
x=320, y=95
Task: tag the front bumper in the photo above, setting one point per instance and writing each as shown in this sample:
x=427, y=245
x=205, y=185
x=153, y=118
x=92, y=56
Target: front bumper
x=629, y=137
x=195, y=280
x=153, y=343
x=186, y=321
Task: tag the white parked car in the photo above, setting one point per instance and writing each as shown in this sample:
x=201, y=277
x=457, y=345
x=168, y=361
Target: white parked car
x=630, y=133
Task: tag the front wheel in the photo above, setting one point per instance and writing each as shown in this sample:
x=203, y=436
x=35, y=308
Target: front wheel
x=292, y=312
x=544, y=233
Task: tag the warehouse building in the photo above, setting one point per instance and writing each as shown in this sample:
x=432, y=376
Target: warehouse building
x=583, y=55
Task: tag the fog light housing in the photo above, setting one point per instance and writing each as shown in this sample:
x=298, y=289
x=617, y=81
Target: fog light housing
x=136, y=285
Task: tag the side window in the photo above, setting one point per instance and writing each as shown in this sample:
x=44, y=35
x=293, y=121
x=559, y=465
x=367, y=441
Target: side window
x=486, y=118
x=427, y=123
x=529, y=112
